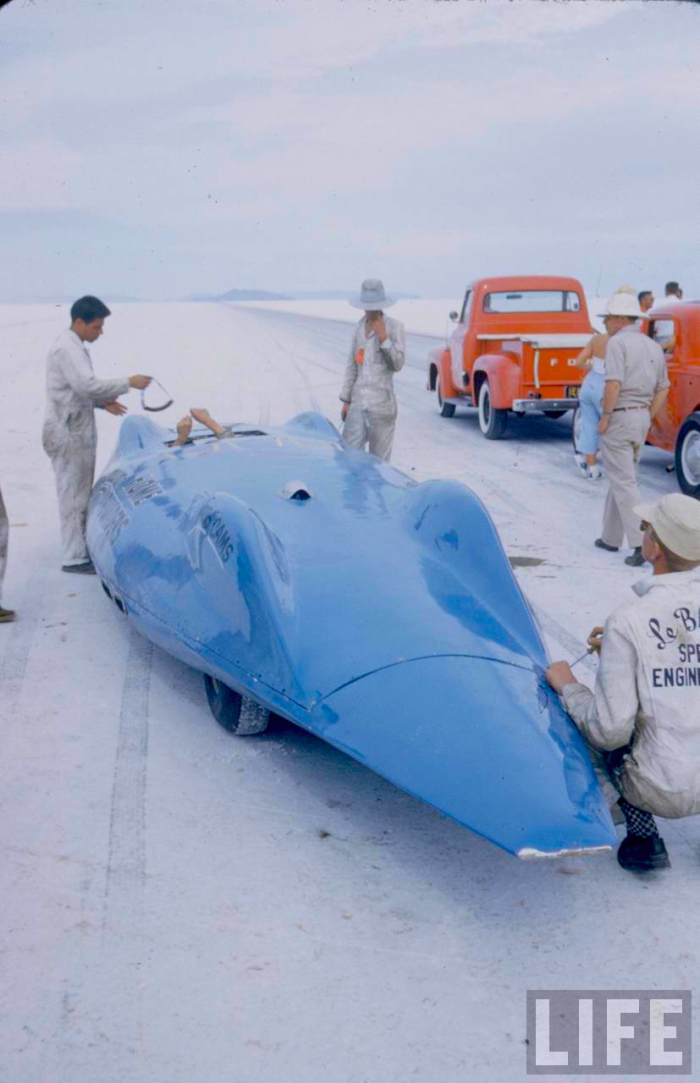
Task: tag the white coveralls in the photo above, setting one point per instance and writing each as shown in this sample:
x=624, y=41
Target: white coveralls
x=647, y=695
x=69, y=435
x=369, y=390
x=4, y=535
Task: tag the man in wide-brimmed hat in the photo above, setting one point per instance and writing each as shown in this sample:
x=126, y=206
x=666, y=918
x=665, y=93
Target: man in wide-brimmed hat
x=378, y=350
x=642, y=720
x=636, y=386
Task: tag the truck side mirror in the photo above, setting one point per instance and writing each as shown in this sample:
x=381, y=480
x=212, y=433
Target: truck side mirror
x=454, y=316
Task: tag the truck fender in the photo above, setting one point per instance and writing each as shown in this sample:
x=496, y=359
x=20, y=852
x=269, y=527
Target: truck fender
x=503, y=375
x=439, y=363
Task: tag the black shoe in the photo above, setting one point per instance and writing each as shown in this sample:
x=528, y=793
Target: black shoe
x=86, y=568
x=636, y=559
x=7, y=615
x=642, y=855
x=604, y=545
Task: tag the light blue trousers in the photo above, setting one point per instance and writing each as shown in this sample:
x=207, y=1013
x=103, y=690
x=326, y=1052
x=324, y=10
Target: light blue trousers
x=591, y=404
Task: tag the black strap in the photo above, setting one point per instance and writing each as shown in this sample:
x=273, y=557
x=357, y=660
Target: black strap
x=156, y=409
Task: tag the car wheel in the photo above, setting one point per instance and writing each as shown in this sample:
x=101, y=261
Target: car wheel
x=234, y=712
x=554, y=414
x=491, y=422
x=446, y=409
x=688, y=456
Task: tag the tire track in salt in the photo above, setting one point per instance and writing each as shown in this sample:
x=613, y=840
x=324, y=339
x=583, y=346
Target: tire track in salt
x=126, y=859
x=123, y=947
x=13, y=663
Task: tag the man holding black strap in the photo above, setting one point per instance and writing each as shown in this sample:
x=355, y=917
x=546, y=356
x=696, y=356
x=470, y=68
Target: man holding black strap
x=69, y=435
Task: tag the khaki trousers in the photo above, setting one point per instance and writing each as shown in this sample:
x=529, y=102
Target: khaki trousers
x=4, y=535
x=621, y=447
x=364, y=427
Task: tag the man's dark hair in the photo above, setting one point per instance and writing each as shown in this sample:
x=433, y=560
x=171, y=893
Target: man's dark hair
x=88, y=309
x=672, y=287
x=642, y=294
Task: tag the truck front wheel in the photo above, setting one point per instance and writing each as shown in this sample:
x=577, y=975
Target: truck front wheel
x=688, y=456
x=492, y=422
x=446, y=408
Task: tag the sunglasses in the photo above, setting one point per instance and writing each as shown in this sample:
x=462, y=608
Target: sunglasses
x=156, y=409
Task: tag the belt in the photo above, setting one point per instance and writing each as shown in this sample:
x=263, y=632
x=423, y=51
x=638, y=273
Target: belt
x=618, y=408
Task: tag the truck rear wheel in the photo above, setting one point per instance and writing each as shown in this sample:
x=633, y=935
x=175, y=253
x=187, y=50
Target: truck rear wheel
x=491, y=422
x=446, y=408
x=688, y=456
x=234, y=712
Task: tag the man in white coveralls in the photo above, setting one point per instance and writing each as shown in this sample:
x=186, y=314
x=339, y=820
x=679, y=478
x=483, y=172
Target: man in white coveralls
x=378, y=351
x=643, y=720
x=70, y=435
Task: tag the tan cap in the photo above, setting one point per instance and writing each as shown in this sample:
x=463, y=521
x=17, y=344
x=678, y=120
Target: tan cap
x=675, y=519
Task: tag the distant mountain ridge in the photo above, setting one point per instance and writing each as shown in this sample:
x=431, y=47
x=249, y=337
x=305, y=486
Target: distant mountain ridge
x=252, y=295
x=290, y=295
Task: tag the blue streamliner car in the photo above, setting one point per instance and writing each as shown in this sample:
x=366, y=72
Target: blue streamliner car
x=306, y=578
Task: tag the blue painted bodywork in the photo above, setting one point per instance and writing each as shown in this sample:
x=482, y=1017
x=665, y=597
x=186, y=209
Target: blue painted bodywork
x=379, y=614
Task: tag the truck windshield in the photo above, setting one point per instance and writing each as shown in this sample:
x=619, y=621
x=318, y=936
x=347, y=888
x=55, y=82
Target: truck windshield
x=533, y=301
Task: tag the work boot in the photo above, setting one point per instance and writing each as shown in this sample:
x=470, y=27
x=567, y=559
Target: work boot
x=604, y=545
x=643, y=855
x=636, y=559
x=86, y=568
x=7, y=615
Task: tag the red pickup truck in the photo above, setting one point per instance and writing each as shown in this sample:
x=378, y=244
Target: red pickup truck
x=513, y=350
x=677, y=425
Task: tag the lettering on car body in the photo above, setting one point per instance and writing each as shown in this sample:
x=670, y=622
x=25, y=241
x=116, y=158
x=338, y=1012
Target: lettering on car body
x=216, y=530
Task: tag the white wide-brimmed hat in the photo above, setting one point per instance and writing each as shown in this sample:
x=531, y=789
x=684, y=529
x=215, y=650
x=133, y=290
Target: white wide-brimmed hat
x=372, y=296
x=623, y=304
x=675, y=519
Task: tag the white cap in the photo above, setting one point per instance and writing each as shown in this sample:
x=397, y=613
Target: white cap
x=675, y=519
x=623, y=304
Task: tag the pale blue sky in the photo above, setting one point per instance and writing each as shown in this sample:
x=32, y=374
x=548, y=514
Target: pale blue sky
x=163, y=148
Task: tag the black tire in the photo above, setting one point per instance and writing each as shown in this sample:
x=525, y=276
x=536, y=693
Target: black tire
x=447, y=409
x=554, y=414
x=234, y=712
x=491, y=422
x=688, y=456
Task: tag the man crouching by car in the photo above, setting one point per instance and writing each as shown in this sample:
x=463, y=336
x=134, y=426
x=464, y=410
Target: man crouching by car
x=643, y=720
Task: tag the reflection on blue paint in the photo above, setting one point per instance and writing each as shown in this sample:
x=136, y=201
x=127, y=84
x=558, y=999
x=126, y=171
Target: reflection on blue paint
x=380, y=614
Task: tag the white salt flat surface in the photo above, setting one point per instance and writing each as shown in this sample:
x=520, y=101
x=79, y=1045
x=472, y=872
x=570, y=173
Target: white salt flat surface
x=181, y=906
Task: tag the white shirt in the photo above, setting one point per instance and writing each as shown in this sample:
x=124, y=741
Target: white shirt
x=72, y=392
x=648, y=694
